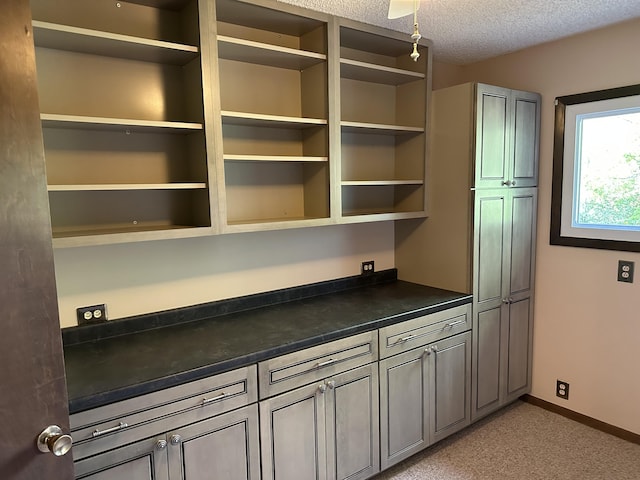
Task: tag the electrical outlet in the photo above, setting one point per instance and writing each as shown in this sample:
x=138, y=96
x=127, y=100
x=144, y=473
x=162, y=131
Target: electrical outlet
x=367, y=268
x=91, y=314
x=562, y=389
x=625, y=271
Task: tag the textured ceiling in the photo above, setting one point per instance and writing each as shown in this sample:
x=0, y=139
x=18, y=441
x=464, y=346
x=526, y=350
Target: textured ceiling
x=466, y=31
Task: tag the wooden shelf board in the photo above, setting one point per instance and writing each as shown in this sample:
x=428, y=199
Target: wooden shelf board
x=106, y=123
x=264, y=54
x=83, y=40
x=369, y=72
x=379, y=129
x=261, y=120
x=110, y=234
x=376, y=216
x=126, y=186
x=272, y=158
x=367, y=183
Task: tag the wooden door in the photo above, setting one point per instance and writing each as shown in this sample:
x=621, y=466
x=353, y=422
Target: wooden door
x=32, y=377
x=292, y=434
x=224, y=447
x=143, y=460
x=451, y=385
x=525, y=151
x=493, y=130
x=352, y=418
x=404, y=406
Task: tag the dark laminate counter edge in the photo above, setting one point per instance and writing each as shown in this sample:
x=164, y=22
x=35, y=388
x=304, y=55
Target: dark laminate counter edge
x=118, y=353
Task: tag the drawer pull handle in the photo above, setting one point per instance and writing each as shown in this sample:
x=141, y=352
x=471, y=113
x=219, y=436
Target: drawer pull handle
x=328, y=362
x=205, y=400
x=407, y=338
x=97, y=433
x=453, y=324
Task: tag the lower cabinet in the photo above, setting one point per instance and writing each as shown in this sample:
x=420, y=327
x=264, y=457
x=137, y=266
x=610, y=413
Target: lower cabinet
x=326, y=430
x=502, y=359
x=424, y=396
x=225, y=446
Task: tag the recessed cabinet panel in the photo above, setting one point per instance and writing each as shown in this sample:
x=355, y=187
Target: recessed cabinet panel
x=493, y=135
x=406, y=394
x=487, y=356
x=526, y=138
x=451, y=386
x=354, y=411
x=519, y=345
x=490, y=212
x=522, y=240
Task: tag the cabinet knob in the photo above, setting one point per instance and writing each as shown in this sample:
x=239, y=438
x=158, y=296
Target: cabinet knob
x=506, y=182
x=161, y=444
x=513, y=183
x=427, y=351
x=175, y=439
x=331, y=384
x=322, y=388
x=434, y=349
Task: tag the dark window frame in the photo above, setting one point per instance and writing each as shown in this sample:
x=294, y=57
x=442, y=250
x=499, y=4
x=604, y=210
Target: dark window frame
x=556, y=237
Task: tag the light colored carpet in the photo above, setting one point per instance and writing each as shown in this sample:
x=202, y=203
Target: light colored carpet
x=523, y=441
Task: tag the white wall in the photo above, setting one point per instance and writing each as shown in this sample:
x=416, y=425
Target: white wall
x=587, y=325
x=152, y=276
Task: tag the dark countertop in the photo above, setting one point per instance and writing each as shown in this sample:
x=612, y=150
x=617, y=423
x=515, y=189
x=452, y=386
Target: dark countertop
x=107, y=370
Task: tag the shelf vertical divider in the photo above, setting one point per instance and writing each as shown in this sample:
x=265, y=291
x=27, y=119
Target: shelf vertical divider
x=335, y=133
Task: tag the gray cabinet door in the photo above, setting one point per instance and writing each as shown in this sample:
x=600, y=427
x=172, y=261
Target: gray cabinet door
x=424, y=397
x=504, y=257
x=352, y=419
x=224, y=447
x=450, y=385
x=526, y=139
x=404, y=406
x=292, y=434
x=493, y=132
x=507, y=137
x=143, y=460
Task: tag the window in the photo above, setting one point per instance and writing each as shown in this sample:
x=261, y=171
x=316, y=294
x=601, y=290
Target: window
x=596, y=170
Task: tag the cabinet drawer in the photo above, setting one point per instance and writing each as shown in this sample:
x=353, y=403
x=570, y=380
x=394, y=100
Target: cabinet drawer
x=404, y=336
x=123, y=422
x=290, y=371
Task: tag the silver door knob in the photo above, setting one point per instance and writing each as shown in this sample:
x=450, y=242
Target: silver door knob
x=331, y=384
x=161, y=444
x=53, y=440
x=175, y=439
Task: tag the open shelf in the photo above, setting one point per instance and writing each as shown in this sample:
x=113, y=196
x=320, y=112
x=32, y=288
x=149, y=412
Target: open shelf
x=120, y=88
x=370, y=72
x=51, y=120
x=374, y=183
x=84, y=40
x=262, y=120
x=378, y=129
x=272, y=158
x=264, y=54
x=122, y=186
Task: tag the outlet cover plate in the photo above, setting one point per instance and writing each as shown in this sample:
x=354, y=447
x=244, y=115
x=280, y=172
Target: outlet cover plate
x=91, y=314
x=625, y=271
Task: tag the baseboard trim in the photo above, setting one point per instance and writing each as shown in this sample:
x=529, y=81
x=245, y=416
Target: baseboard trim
x=584, y=419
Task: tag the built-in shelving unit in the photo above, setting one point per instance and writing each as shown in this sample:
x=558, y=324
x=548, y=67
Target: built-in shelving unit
x=383, y=112
x=274, y=169
x=177, y=118
x=123, y=117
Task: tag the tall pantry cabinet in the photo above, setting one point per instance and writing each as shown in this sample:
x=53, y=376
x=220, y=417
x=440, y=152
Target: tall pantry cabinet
x=480, y=233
